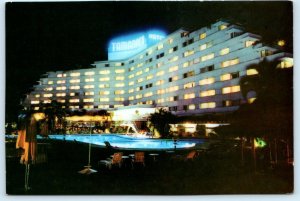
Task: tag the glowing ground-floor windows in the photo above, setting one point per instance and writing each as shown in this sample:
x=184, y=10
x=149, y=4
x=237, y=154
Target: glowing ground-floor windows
x=103, y=106
x=207, y=105
x=252, y=72
x=88, y=106
x=149, y=102
x=74, y=107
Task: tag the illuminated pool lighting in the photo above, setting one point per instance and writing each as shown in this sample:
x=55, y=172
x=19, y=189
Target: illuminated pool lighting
x=129, y=142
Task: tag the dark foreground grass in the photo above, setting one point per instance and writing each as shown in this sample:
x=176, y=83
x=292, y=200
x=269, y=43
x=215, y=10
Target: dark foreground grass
x=216, y=172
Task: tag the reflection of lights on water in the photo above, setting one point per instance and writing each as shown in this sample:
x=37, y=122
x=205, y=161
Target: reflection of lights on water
x=121, y=141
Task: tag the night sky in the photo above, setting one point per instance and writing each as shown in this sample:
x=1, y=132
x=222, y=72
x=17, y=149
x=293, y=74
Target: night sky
x=43, y=37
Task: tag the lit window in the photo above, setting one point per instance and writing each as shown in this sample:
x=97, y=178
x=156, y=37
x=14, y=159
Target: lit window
x=159, y=82
x=47, y=101
x=103, y=92
x=75, y=74
x=226, y=77
x=131, y=98
x=211, y=92
x=149, y=102
x=139, y=65
x=118, y=92
x=170, y=40
x=161, y=100
x=189, y=85
x=75, y=81
x=252, y=72
x=189, y=96
x=160, y=73
x=103, y=86
x=119, y=99
x=131, y=83
x=88, y=107
x=286, y=63
x=47, y=95
x=202, y=36
x=37, y=95
x=103, y=79
x=171, y=89
x=173, y=68
x=140, y=80
x=74, y=107
x=119, y=70
x=50, y=82
x=174, y=58
x=189, y=74
x=207, y=57
x=160, y=91
x=206, y=45
x=119, y=85
x=160, y=46
x=104, y=99
x=34, y=102
x=188, y=53
x=146, y=70
x=222, y=26
x=207, y=105
x=224, y=51
x=230, y=62
x=104, y=72
x=48, y=89
x=149, y=52
x=160, y=64
x=139, y=73
x=187, y=64
x=74, y=100
x=61, y=88
x=148, y=94
x=72, y=94
x=138, y=96
x=89, y=87
x=130, y=90
x=103, y=106
x=118, y=64
x=89, y=93
x=61, y=101
x=36, y=108
x=231, y=89
x=120, y=78
x=88, y=100
x=206, y=81
x=89, y=80
x=192, y=107
x=131, y=76
x=89, y=73
x=249, y=43
x=62, y=75
x=149, y=77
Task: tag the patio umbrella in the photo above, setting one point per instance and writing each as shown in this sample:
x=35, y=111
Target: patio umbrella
x=87, y=169
x=27, y=142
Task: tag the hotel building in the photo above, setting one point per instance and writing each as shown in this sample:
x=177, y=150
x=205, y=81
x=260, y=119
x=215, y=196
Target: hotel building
x=190, y=73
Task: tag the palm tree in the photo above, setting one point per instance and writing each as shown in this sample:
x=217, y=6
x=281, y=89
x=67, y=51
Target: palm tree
x=271, y=114
x=161, y=120
x=55, y=114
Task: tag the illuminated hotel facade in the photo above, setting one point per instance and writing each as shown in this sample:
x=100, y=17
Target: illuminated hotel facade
x=190, y=73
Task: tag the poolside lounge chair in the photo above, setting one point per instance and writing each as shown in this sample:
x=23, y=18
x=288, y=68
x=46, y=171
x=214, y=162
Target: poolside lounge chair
x=115, y=160
x=139, y=158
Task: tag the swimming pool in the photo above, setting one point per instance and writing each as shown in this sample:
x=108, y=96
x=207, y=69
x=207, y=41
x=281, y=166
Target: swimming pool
x=120, y=141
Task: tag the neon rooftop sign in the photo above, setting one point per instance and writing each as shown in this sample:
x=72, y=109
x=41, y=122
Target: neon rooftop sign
x=125, y=46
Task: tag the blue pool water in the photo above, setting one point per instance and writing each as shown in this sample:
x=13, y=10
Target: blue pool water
x=131, y=142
